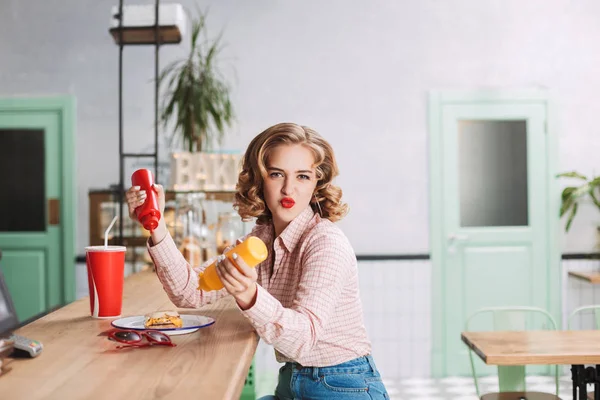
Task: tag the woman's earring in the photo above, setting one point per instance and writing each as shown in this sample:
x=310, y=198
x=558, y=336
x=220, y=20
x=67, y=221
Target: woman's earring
x=318, y=205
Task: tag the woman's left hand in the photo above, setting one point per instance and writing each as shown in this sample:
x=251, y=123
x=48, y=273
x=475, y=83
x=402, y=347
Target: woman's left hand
x=239, y=281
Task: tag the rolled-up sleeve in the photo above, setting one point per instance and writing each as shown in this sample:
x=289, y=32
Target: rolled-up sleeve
x=179, y=279
x=327, y=262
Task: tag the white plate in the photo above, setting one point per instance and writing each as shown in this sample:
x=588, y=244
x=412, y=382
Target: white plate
x=191, y=323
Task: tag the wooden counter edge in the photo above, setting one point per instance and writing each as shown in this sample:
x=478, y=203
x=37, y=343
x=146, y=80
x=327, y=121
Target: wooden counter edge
x=591, y=277
x=234, y=392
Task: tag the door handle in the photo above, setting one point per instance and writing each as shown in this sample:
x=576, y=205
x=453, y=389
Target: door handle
x=53, y=211
x=457, y=237
x=453, y=238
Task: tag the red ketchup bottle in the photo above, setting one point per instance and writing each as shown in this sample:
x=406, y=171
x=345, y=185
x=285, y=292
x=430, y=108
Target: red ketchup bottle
x=148, y=213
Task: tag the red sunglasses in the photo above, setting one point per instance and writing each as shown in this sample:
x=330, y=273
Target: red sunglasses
x=135, y=338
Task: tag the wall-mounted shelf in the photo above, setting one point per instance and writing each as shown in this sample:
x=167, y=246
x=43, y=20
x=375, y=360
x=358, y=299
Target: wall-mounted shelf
x=147, y=35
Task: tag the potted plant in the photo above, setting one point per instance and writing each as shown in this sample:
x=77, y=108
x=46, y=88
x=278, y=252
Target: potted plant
x=572, y=195
x=197, y=97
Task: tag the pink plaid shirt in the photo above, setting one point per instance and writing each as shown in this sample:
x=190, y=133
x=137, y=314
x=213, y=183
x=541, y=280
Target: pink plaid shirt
x=308, y=305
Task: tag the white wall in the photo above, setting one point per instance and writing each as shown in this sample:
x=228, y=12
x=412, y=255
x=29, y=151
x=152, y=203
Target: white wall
x=358, y=72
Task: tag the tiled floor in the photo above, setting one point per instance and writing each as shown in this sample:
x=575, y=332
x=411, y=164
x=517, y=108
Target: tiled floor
x=461, y=388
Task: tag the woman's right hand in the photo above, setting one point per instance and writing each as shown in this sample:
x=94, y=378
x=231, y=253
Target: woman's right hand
x=136, y=197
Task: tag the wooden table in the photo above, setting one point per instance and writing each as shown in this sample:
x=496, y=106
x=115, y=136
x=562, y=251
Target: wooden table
x=591, y=277
x=78, y=362
x=576, y=348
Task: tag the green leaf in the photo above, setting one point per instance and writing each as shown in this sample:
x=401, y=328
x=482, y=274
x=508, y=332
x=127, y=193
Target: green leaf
x=571, y=216
x=572, y=195
x=593, y=187
x=566, y=205
x=568, y=191
x=595, y=182
x=582, y=190
x=572, y=174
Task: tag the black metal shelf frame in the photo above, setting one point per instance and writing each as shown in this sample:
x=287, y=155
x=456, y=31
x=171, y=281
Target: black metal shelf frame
x=122, y=154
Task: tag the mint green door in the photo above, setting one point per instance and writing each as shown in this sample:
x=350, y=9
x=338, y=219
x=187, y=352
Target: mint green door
x=492, y=216
x=36, y=228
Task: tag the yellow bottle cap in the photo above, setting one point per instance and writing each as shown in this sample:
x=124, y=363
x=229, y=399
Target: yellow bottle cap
x=255, y=251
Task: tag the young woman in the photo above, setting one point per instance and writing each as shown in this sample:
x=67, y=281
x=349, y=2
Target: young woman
x=304, y=299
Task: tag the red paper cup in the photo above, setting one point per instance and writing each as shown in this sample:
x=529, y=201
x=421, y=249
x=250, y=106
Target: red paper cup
x=106, y=268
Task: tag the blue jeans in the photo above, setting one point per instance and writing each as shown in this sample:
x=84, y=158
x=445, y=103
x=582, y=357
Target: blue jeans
x=356, y=379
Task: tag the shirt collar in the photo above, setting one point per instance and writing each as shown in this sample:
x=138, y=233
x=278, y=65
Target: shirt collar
x=293, y=232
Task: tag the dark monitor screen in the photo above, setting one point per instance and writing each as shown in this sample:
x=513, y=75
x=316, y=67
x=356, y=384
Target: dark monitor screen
x=8, y=316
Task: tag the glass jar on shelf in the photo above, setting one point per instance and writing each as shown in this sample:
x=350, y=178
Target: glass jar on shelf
x=229, y=228
x=169, y=216
x=192, y=236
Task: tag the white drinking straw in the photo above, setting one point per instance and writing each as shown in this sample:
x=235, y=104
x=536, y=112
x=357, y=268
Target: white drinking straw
x=108, y=230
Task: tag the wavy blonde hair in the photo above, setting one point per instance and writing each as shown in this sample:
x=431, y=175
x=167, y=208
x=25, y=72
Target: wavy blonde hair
x=249, y=199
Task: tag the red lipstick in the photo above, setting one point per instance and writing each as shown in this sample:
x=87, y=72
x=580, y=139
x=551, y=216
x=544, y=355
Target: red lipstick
x=287, y=202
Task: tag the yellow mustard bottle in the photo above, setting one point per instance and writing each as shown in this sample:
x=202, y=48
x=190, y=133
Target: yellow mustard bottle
x=252, y=250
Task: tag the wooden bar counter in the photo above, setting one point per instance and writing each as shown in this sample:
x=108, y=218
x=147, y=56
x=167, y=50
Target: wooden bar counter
x=79, y=362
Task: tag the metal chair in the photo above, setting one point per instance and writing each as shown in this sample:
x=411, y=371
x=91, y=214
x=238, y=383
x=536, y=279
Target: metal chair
x=512, y=378
x=595, y=311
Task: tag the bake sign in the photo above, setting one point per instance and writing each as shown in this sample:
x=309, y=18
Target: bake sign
x=204, y=171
